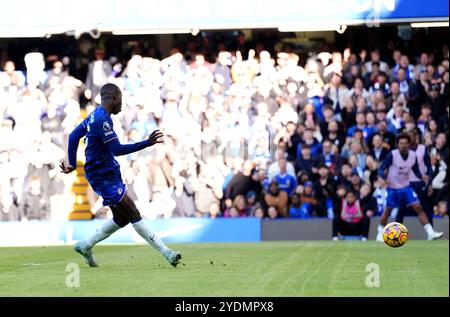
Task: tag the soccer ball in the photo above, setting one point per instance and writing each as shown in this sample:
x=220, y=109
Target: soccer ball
x=395, y=234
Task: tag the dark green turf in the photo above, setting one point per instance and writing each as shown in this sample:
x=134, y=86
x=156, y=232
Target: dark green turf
x=303, y=268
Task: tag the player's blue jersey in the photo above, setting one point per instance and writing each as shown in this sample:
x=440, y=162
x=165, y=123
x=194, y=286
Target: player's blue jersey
x=99, y=159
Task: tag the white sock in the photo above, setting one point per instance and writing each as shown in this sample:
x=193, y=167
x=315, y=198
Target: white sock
x=428, y=229
x=380, y=229
x=150, y=237
x=108, y=228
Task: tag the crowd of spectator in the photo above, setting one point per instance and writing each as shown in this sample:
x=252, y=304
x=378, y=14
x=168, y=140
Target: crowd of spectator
x=253, y=134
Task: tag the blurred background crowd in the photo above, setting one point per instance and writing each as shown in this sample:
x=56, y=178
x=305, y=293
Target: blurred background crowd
x=251, y=129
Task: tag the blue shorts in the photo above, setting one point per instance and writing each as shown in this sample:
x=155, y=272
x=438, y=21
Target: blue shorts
x=401, y=197
x=109, y=186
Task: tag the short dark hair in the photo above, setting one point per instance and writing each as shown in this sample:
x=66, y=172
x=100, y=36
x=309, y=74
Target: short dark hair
x=403, y=136
x=335, y=73
x=109, y=90
x=417, y=133
x=346, y=162
x=294, y=194
x=375, y=134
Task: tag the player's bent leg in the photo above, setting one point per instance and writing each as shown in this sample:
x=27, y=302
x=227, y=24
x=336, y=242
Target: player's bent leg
x=383, y=221
x=422, y=193
x=108, y=228
x=128, y=206
x=81, y=248
x=423, y=218
x=384, y=217
x=111, y=189
x=85, y=247
x=401, y=215
x=431, y=234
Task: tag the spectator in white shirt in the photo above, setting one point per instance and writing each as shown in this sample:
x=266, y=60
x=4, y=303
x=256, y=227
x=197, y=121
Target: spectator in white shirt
x=375, y=57
x=97, y=75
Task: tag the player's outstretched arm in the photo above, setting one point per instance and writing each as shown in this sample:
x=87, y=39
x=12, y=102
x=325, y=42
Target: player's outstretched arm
x=123, y=149
x=74, y=140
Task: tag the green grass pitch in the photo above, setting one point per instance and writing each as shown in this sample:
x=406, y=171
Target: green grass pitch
x=301, y=268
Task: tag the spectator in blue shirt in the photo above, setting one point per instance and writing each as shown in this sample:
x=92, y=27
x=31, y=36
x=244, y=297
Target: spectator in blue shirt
x=285, y=181
x=328, y=158
x=300, y=210
x=361, y=125
x=404, y=64
x=308, y=139
x=305, y=163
